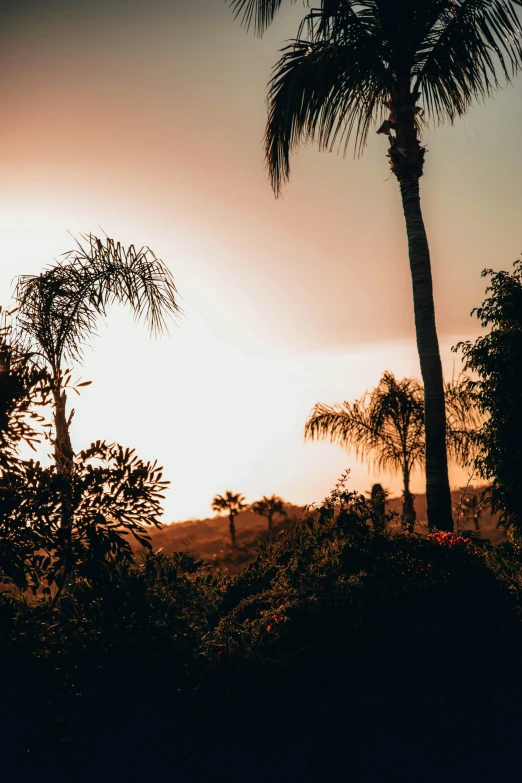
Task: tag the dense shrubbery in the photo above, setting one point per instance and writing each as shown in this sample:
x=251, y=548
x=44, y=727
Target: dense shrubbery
x=337, y=564
x=496, y=357
x=93, y=638
x=159, y=626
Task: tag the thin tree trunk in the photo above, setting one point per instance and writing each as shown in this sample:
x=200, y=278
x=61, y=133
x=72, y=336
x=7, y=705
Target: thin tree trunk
x=438, y=493
x=232, y=529
x=64, y=456
x=63, y=453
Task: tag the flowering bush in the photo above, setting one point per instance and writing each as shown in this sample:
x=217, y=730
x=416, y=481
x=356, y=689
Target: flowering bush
x=448, y=539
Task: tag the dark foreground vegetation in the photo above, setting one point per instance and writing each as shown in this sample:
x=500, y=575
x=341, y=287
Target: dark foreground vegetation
x=339, y=653
x=352, y=647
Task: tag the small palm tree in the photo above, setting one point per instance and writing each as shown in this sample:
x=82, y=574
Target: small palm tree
x=231, y=504
x=268, y=507
x=59, y=309
x=395, y=66
x=388, y=427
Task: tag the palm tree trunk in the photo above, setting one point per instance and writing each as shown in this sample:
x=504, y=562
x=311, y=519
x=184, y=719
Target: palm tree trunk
x=63, y=453
x=232, y=529
x=63, y=456
x=438, y=494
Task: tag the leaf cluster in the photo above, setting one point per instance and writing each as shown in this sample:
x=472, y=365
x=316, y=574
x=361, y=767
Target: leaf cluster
x=496, y=358
x=113, y=495
x=332, y=573
x=230, y=503
x=59, y=308
x=268, y=506
x=24, y=390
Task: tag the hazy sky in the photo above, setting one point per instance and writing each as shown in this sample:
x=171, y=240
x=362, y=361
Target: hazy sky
x=146, y=118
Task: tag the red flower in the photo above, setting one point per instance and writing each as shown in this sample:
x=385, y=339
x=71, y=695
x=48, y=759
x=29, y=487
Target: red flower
x=228, y=650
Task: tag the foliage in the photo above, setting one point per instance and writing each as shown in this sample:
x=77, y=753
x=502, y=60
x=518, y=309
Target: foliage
x=496, y=358
x=387, y=424
x=23, y=389
x=331, y=573
x=230, y=502
x=104, y=646
x=268, y=506
x=59, y=308
x=113, y=495
x=167, y=637
x=350, y=58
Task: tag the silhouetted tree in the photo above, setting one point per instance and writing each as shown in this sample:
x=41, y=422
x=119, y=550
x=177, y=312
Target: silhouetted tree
x=387, y=426
x=59, y=309
x=58, y=312
x=496, y=357
x=268, y=507
x=362, y=63
x=232, y=504
x=23, y=388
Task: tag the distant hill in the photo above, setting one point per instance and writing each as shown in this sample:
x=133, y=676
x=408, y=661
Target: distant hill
x=209, y=538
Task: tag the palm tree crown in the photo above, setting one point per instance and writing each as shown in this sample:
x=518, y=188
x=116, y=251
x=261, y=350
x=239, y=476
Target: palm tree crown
x=357, y=63
x=268, y=506
x=230, y=503
x=233, y=504
x=59, y=308
x=387, y=425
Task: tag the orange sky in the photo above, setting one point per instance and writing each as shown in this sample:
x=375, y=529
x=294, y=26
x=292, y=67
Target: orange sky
x=146, y=118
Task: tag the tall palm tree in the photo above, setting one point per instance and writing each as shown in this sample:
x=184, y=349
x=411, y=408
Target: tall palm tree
x=362, y=63
x=388, y=427
x=59, y=309
x=268, y=507
x=232, y=504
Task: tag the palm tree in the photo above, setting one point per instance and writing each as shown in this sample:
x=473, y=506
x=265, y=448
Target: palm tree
x=59, y=309
x=388, y=427
x=233, y=504
x=267, y=507
x=362, y=63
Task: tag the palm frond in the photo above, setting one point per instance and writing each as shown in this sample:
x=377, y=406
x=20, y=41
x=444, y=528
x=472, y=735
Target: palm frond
x=59, y=308
x=324, y=90
x=268, y=505
x=459, y=58
x=258, y=14
x=230, y=502
x=463, y=421
x=351, y=57
x=386, y=426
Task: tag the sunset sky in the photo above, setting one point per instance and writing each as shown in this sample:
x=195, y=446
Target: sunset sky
x=145, y=119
